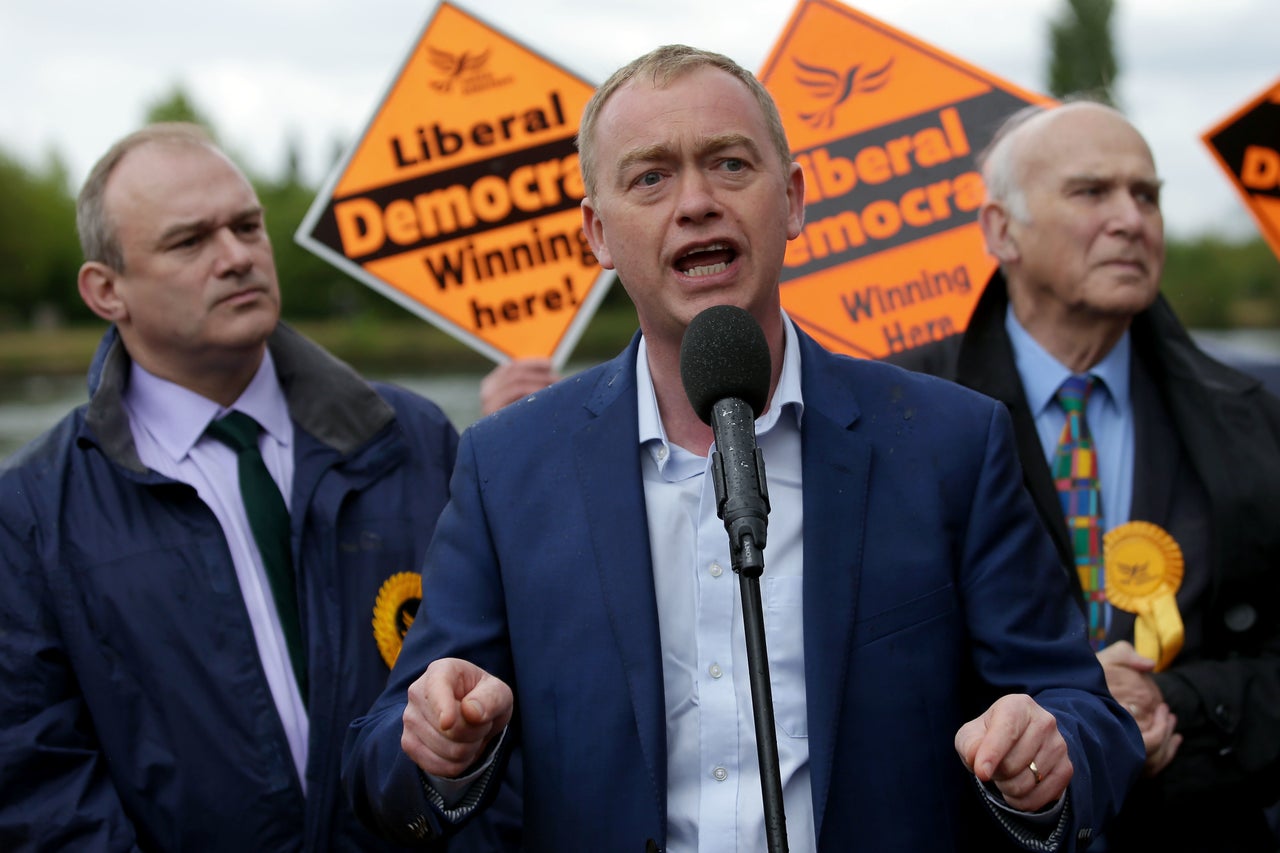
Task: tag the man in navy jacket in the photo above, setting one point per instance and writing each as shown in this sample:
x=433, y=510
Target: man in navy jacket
x=145, y=698
x=932, y=686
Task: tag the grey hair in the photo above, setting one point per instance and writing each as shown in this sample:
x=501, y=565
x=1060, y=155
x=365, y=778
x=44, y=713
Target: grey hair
x=998, y=161
x=98, y=239
x=998, y=164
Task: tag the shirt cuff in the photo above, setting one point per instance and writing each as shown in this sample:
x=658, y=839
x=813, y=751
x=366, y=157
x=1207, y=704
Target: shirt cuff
x=450, y=792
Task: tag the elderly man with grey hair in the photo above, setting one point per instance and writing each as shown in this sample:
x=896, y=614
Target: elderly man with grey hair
x=1135, y=442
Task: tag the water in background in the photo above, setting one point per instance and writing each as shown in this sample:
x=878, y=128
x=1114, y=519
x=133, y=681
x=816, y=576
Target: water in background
x=31, y=405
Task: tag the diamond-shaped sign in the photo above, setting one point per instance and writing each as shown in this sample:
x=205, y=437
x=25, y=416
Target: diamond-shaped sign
x=1247, y=145
x=887, y=129
x=460, y=201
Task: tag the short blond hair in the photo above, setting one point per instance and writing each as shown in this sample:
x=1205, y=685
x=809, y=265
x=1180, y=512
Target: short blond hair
x=663, y=65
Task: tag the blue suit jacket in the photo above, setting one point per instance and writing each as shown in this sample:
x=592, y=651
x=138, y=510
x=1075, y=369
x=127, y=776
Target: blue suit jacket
x=930, y=589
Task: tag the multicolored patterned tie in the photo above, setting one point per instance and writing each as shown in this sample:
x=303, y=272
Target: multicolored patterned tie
x=1075, y=473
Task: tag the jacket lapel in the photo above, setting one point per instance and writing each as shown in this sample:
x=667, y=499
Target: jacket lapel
x=837, y=472
x=986, y=364
x=607, y=457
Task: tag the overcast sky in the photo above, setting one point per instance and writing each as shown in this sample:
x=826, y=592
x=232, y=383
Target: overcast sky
x=78, y=74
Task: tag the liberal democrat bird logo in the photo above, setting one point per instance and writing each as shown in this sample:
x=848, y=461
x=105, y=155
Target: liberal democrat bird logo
x=454, y=65
x=1133, y=572
x=836, y=88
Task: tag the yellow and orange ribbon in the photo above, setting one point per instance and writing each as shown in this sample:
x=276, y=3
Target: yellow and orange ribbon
x=393, y=613
x=1143, y=572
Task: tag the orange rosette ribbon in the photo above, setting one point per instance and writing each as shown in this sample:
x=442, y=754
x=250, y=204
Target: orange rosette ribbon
x=1144, y=569
x=393, y=613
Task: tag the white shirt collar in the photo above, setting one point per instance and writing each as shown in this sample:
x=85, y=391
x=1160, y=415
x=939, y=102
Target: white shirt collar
x=787, y=394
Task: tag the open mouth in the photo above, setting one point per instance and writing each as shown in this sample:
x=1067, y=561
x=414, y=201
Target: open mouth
x=706, y=260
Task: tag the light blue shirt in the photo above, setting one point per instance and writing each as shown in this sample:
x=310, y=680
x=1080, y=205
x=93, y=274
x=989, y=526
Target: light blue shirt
x=1109, y=414
x=714, y=797
x=168, y=423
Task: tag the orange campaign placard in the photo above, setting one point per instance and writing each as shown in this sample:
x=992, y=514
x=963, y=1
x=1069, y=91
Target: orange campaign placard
x=887, y=129
x=1247, y=145
x=460, y=201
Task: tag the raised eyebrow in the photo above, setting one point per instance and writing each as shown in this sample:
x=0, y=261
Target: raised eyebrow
x=1085, y=180
x=709, y=145
x=724, y=141
x=644, y=154
x=257, y=211
x=196, y=226
x=183, y=230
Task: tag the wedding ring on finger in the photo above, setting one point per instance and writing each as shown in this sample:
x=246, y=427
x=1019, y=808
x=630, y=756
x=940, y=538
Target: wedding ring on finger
x=1035, y=771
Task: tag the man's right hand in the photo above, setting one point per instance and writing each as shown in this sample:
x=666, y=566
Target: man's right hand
x=1129, y=680
x=455, y=709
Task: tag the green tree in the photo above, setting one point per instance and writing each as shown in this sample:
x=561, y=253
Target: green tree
x=310, y=287
x=1082, y=56
x=39, y=251
x=1218, y=284
x=177, y=105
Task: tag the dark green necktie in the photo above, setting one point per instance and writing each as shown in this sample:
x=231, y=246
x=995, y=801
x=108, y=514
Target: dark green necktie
x=269, y=520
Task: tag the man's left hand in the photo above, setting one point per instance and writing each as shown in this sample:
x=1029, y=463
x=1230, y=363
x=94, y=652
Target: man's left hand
x=1017, y=746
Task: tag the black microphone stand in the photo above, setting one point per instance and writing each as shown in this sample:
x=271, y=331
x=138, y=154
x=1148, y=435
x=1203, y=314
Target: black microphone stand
x=746, y=517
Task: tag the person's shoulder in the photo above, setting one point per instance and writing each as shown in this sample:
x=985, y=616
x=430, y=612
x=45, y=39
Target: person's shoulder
x=52, y=446
x=937, y=358
x=890, y=379
x=34, y=474
x=1185, y=362
x=408, y=403
x=420, y=424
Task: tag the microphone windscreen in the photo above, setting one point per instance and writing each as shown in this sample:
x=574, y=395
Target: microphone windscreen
x=724, y=354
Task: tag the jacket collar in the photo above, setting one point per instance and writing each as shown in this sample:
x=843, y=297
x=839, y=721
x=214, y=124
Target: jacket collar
x=326, y=397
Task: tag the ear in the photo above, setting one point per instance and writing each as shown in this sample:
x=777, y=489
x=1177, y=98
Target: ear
x=995, y=223
x=593, y=228
x=795, y=201
x=98, y=289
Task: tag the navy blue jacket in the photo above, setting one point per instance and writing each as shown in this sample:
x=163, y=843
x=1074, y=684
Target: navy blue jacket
x=134, y=713
x=930, y=588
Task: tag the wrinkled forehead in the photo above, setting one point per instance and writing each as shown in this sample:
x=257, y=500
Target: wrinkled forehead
x=162, y=184
x=1084, y=139
x=157, y=164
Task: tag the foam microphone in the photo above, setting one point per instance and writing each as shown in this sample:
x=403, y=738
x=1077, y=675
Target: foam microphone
x=725, y=367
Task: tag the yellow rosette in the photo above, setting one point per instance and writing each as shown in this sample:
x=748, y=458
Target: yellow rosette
x=393, y=613
x=1143, y=572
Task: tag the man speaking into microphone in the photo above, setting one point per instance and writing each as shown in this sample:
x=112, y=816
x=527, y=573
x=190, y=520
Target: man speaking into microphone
x=932, y=686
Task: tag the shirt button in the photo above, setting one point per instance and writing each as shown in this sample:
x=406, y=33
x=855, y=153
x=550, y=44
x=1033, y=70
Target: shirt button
x=662, y=453
x=716, y=570
x=715, y=670
x=720, y=773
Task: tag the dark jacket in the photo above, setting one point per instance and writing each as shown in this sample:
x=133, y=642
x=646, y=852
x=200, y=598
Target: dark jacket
x=134, y=713
x=1224, y=453
x=929, y=588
